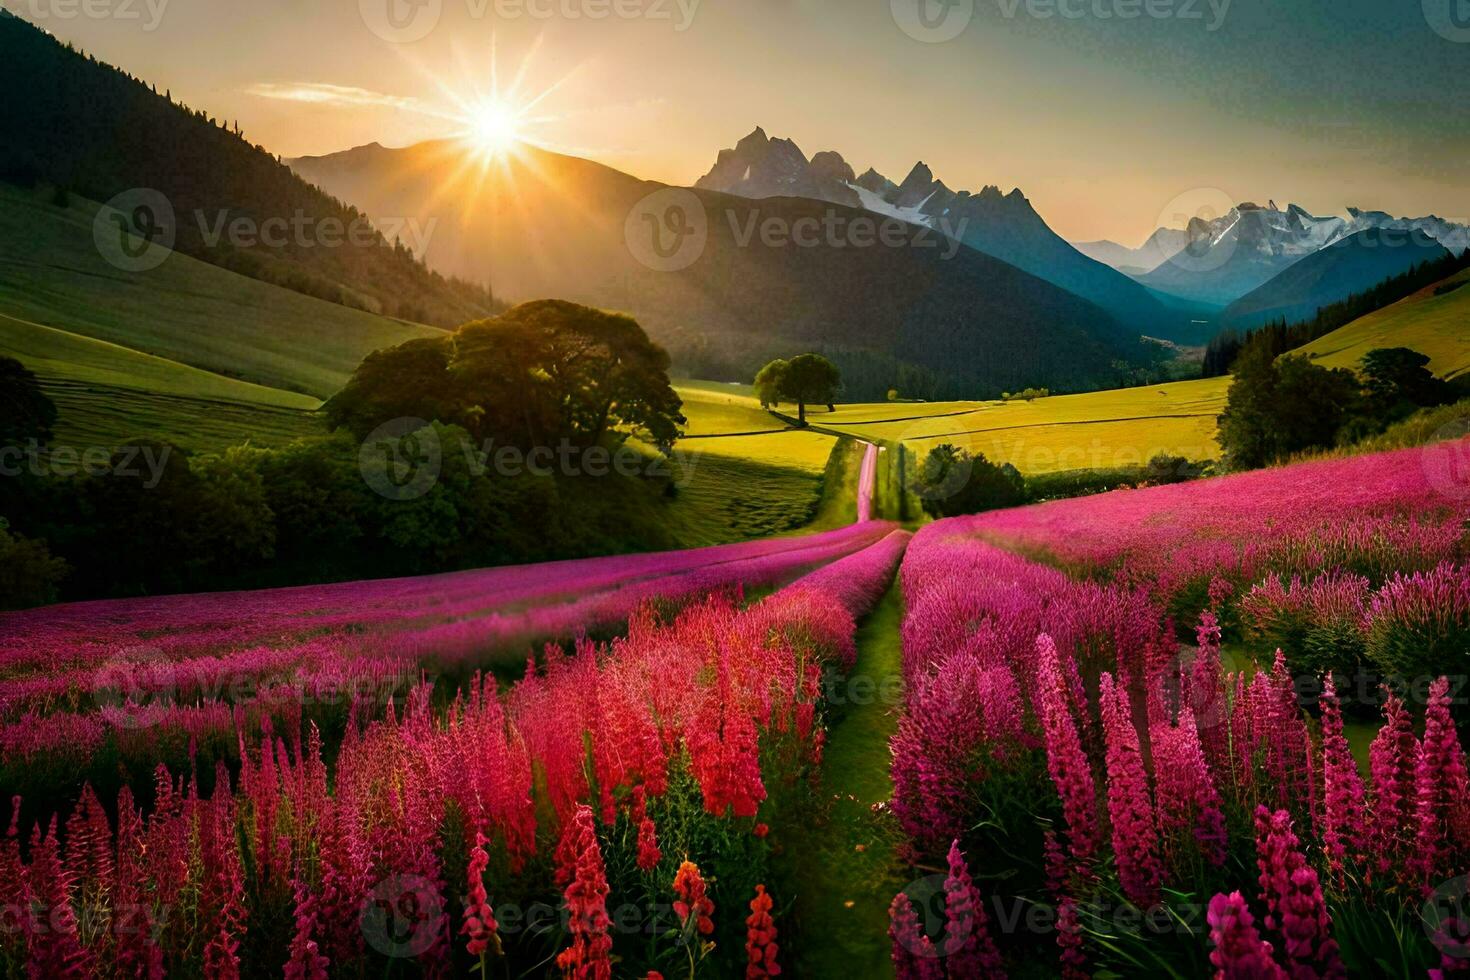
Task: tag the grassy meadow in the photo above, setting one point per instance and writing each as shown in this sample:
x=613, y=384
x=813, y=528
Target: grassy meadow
x=1096, y=430
x=1428, y=323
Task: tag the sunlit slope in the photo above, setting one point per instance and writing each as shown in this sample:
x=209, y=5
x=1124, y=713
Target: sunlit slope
x=51, y=273
x=1436, y=325
x=1096, y=430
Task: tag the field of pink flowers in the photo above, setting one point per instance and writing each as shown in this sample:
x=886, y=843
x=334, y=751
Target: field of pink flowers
x=1132, y=805
x=90, y=687
x=620, y=802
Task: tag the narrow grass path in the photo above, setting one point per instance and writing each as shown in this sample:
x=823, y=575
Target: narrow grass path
x=847, y=868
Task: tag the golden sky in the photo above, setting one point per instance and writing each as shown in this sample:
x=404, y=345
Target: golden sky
x=1102, y=121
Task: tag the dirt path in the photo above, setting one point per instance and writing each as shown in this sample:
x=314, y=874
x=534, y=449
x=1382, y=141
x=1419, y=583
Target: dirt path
x=846, y=867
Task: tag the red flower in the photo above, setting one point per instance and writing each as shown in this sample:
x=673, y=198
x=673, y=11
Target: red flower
x=479, y=918
x=589, y=956
x=760, y=938
x=761, y=830
x=690, y=887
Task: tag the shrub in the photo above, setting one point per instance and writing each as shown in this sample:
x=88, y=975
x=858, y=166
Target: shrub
x=29, y=576
x=1420, y=623
x=952, y=482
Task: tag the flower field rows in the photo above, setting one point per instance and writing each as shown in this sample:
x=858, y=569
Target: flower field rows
x=1133, y=805
x=169, y=679
x=608, y=806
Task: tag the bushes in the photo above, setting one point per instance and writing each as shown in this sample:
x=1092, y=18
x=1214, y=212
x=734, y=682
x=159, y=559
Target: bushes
x=1420, y=623
x=29, y=576
x=952, y=482
x=308, y=512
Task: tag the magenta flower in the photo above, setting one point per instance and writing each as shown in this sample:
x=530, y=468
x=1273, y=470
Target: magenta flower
x=1239, y=953
x=1130, y=808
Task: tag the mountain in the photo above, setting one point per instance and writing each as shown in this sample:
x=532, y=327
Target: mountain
x=1005, y=226
x=928, y=316
x=1226, y=258
x=88, y=128
x=1346, y=266
x=1163, y=243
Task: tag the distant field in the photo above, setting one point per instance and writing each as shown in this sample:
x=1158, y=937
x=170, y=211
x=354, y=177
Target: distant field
x=744, y=474
x=1435, y=325
x=52, y=274
x=1097, y=430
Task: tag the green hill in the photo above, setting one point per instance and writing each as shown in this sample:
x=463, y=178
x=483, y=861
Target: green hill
x=187, y=311
x=75, y=122
x=1434, y=321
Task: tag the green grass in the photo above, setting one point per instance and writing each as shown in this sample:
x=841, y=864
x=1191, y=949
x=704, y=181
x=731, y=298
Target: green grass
x=1433, y=325
x=58, y=355
x=744, y=475
x=852, y=857
x=52, y=274
x=1097, y=430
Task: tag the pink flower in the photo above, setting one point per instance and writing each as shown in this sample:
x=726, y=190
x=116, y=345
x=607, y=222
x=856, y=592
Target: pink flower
x=1239, y=953
x=760, y=938
x=479, y=918
x=1129, y=806
x=1070, y=770
x=968, y=947
x=1291, y=891
x=1393, y=763
x=1342, y=787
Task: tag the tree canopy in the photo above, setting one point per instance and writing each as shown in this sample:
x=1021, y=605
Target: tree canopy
x=807, y=379
x=538, y=374
x=25, y=411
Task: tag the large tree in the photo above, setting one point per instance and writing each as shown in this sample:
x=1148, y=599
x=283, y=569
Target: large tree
x=25, y=411
x=1399, y=380
x=1279, y=406
x=540, y=373
x=805, y=379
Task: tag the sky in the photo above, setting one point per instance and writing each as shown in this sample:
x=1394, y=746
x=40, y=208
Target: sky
x=1105, y=113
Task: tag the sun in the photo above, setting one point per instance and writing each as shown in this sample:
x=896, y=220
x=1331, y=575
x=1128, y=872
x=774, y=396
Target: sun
x=492, y=127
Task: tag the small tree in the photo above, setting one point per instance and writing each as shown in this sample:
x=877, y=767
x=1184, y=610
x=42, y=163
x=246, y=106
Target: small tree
x=810, y=379
x=768, y=381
